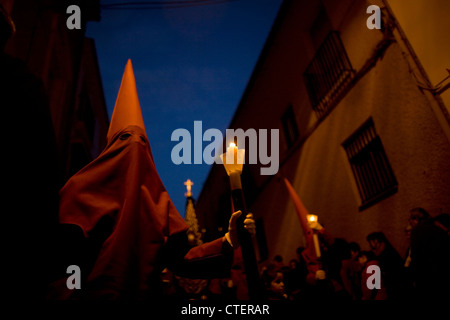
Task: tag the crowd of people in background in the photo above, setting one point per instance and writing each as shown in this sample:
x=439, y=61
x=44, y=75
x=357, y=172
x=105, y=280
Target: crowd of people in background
x=345, y=268
x=422, y=272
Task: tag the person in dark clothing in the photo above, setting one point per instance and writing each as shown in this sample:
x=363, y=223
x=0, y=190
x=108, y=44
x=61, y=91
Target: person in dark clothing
x=391, y=265
x=366, y=259
x=430, y=258
x=417, y=216
x=31, y=180
x=351, y=272
x=294, y=278
x=274, y=283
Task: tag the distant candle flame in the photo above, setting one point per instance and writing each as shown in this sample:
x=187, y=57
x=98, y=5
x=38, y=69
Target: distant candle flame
x=232, y=145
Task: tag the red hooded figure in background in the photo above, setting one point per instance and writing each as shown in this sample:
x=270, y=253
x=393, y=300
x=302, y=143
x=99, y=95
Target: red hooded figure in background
x=127, y=216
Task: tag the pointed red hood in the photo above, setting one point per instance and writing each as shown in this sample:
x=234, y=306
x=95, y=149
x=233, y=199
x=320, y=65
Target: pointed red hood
x=127, y=110
x=121, y=189
x=309, y=253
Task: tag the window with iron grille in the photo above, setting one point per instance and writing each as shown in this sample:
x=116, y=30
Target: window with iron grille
x=373, y=173
x=289, y=126
x=328, y=74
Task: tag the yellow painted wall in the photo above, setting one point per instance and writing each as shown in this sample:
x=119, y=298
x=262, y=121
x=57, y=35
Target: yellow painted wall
x=426, y=24
x=413, y=139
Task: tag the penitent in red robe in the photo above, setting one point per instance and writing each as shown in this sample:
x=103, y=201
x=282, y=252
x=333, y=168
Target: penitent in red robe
x=120, y=201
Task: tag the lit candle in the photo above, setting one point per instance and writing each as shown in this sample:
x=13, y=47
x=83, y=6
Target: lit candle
x=232, y=153
x=314, y=218
x=233, y=159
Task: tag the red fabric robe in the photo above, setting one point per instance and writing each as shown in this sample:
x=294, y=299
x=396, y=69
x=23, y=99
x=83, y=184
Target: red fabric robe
x=121, y=193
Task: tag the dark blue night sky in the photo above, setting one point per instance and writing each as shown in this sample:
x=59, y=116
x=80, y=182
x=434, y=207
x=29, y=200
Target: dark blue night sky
x=190, y=63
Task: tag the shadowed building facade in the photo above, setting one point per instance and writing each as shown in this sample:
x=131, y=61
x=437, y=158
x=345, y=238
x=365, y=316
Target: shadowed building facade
x=66, y=62
x=361, y=140
x=53, y=105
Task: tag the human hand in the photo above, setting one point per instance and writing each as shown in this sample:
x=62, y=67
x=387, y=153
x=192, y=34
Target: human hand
x=249, y=224
x=315, y=225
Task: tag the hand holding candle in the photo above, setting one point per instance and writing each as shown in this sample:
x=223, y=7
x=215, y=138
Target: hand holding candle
x=310, y=226
x=315, y=225
x=240, y=234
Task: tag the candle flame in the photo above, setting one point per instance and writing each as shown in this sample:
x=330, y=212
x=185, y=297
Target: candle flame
x=232, y=145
